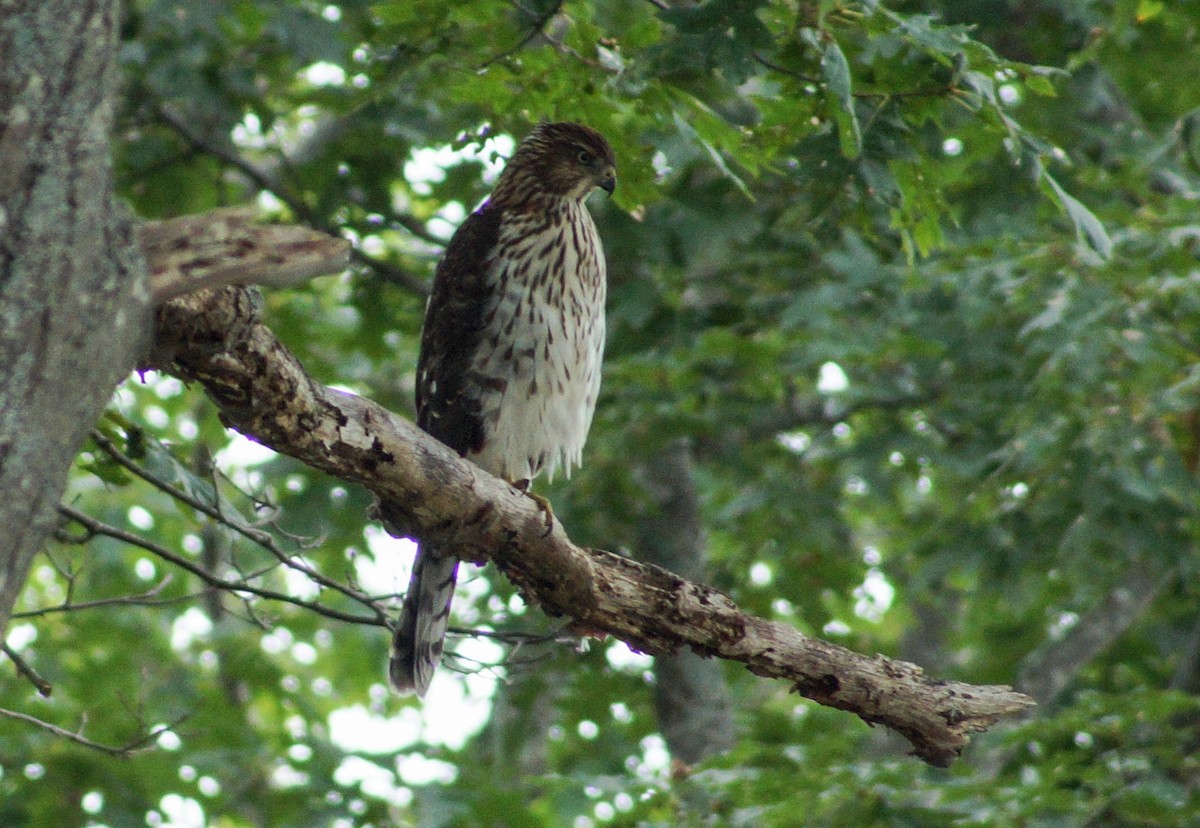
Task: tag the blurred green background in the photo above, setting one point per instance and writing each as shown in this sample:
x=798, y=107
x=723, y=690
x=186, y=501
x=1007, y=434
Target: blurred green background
x=903, y=319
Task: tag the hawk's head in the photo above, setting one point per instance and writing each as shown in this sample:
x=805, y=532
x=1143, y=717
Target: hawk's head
x=563, y=159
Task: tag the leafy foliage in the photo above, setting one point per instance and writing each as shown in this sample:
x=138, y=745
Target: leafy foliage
x=915, y=280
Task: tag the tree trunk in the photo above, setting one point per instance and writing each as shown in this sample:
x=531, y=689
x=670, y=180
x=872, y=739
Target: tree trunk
x=1049, y=671
x=73, y=307
x=695, y=710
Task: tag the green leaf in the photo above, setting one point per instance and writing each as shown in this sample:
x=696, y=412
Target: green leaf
x=1148, y=10
x=723, y=34
x=709, y=132
x=1087, y=226
x=836, y=71
x=1040, y=85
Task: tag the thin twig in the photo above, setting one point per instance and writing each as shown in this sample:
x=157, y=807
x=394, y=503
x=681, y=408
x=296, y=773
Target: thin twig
x=928, y=92
x=258, y=536
x=63, y=571
x=142, y=599
x=126, y=462
x=391, y=272
x=95, y=527
x=536, y=29
x=138, y=745
x=44, y=687
x=515, y=638
x=63, y=536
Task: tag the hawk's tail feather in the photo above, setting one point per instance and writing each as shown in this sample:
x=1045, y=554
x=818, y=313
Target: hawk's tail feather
x=421, y=631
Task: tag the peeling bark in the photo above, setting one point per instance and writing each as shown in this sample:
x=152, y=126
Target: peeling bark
x=225, y=247
x=217, y=339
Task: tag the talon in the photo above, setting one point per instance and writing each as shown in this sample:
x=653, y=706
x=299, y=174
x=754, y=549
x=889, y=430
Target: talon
x=547, y=510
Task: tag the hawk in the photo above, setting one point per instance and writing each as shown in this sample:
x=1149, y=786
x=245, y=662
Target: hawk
x=509, y=368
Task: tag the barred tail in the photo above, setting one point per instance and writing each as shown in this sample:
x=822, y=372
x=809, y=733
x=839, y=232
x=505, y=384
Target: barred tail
x=421, y=631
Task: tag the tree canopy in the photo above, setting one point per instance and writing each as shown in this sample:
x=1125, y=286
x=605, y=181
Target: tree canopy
x=903, y=317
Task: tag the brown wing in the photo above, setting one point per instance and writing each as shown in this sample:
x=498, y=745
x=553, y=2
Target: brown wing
x=448, y=404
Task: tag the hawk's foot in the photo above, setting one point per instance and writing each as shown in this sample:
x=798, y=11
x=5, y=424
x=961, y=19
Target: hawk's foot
x=547, y=511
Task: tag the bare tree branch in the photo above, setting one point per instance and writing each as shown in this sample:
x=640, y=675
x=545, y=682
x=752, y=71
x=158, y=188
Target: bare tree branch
x=142, y=599
x=95, y=527
x=536, y=28
x=258, y=536
x=44, y=687
x=260, y=388
x=139, y=745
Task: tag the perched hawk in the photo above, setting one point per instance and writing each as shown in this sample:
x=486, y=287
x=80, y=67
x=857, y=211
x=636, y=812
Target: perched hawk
x=510, y=354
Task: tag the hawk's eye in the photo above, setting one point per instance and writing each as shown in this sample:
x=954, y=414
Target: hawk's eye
x=583, y=157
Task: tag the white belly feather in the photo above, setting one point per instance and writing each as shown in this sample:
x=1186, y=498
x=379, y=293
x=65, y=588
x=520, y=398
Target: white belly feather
x=538, y=420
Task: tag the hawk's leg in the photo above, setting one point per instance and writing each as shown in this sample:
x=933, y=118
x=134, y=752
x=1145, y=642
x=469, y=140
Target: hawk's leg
x=523, y=487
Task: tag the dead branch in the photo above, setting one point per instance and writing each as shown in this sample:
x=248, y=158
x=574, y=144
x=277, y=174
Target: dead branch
x=44, y=688
x=262, y=177
x=226, y=247
x=217, y=339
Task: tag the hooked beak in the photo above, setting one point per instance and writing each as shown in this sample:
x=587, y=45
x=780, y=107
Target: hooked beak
x=608, y=181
